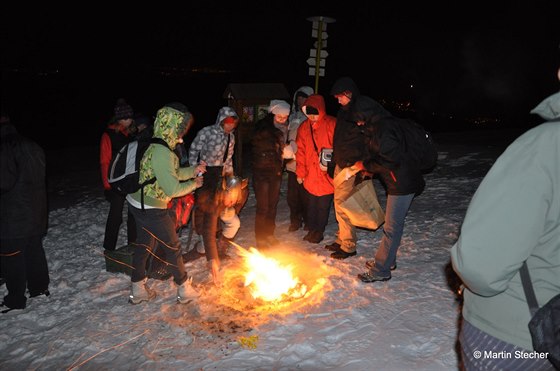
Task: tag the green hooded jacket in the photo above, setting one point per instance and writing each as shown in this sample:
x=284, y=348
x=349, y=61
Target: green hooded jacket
x=171, y=180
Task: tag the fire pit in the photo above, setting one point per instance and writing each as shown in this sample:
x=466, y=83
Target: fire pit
x=275, y=281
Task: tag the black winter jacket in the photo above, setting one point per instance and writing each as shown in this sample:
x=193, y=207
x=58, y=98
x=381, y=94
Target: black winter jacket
x=267, y=144
x=23, y=195
x=348, y=139
x=385, y=157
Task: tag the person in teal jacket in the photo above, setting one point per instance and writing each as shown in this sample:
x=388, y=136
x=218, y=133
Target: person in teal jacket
x=514, y=217
x=156, y=223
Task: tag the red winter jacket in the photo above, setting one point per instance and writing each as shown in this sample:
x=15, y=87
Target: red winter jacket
x=112, y=140
x=311, y=138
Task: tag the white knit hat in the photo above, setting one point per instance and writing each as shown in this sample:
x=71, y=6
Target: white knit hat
x=279, y=107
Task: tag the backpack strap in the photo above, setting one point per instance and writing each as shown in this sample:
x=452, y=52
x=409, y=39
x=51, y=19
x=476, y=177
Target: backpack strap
x=160, y=141
x=528, y=289
x=153, y=179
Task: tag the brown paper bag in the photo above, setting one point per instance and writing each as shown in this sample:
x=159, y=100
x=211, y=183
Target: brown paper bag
x=363, y=208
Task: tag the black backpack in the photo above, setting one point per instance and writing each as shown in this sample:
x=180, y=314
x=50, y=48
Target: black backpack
x=419, y=146
x=124, y=173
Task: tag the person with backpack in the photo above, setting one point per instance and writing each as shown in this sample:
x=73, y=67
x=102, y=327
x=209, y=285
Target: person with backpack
x=116, y=135
x=512, y=224
x=349, y=147
x=155, y=221
x=388, y=158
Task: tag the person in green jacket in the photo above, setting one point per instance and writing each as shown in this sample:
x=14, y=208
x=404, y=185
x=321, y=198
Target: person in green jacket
x=156, y=223
x=514, y=217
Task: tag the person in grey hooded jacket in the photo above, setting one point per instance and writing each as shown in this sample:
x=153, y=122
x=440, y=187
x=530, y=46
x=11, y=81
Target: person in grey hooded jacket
x=514, y=217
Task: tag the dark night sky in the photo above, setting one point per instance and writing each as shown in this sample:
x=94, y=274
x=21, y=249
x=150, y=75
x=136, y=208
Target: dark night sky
x=495, y=57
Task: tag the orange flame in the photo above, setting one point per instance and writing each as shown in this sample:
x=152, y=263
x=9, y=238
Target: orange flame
x=277, y=281
x=268, y=279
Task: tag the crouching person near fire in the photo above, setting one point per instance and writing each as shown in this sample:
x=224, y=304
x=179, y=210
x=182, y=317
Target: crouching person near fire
x=233, y=196
x=213, y=144
x=155, y=222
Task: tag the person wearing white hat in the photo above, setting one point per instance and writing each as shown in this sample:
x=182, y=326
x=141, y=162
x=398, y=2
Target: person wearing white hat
x=269, y=149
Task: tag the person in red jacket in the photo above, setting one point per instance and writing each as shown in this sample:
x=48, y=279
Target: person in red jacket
x=113, y=139
x=314, y=136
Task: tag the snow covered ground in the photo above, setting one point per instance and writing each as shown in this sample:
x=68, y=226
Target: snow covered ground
x=408, y=322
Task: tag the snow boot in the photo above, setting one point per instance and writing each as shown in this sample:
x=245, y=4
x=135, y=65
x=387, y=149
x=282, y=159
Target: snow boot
x=139, y=292
x=370, y=276
x=186, y=293
x=371, y=264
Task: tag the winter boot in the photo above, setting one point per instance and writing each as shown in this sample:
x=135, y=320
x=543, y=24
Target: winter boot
x=186, y=293
x=371, y=264
x=139, y=292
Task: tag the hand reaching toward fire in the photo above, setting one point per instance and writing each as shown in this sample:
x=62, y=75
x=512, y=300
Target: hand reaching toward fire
x=214, y=266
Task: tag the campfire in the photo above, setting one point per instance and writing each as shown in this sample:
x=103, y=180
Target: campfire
x=276, y=281
x=268, y=279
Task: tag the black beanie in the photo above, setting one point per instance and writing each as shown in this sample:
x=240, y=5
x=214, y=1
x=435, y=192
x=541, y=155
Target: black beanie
x=123, y=110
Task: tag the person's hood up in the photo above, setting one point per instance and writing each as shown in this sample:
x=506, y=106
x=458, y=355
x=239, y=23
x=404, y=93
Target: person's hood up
x=345, y=84
x=224, y=113
x=317, y=101
x=548, y=109
x=307, y=90
x=169, y=124
x=366, y=109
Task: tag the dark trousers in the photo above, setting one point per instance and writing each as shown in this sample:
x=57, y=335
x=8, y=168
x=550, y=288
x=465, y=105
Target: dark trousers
x=318, y=209
x=297, y=200
x=115, y=219
x=156, y=230
x=267, y=193
x=24, y=265
x=207, y=210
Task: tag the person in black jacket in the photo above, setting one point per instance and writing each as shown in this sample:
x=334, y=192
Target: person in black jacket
x=403, y=180
x=269, y=149
x=23, y=221
x=348, y=148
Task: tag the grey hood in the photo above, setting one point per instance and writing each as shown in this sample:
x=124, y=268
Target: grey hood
x=548, y=109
